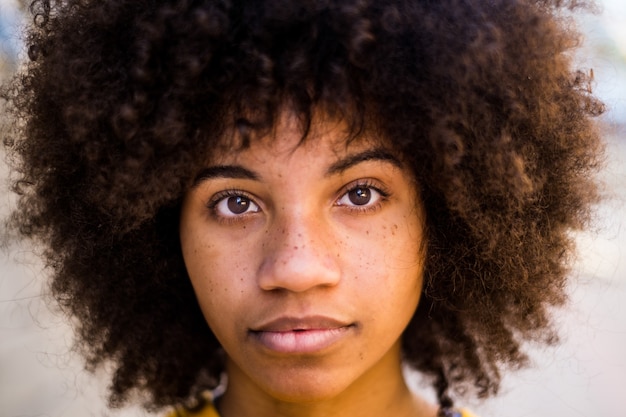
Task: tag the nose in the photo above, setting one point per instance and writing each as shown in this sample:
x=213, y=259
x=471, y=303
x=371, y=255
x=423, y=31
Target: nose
x=300, y=254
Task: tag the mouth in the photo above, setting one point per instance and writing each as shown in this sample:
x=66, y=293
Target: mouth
x=289, y=335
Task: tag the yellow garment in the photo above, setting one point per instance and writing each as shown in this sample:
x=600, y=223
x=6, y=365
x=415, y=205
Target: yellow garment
x=210, y=411
x=207, y=411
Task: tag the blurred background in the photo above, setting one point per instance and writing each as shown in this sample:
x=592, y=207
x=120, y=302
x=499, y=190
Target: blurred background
x=584, y=376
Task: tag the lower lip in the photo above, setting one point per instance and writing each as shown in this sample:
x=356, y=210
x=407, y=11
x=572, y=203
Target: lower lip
x=301, y=341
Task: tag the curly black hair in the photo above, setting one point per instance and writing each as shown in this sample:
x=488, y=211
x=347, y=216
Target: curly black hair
x=123, y=101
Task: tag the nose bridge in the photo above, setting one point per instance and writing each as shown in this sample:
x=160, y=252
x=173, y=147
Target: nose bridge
x=298, y=253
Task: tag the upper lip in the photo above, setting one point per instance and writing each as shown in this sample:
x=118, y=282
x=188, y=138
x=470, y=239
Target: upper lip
x=288, y=323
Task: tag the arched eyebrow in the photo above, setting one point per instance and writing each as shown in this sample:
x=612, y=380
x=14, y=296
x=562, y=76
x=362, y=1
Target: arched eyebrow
x=343, y=164
x=376, y=154
x=225, y=171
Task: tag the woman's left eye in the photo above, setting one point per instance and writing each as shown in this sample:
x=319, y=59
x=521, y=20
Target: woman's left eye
x=361, y=196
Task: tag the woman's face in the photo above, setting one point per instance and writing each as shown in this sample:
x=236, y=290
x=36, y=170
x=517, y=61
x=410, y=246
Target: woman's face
x=306, y=260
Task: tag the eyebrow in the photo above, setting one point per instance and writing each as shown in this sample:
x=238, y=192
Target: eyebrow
x=239, y=172
x=377, y=154
x=225, y=171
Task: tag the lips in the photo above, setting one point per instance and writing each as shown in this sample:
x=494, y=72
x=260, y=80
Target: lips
x=290, y=335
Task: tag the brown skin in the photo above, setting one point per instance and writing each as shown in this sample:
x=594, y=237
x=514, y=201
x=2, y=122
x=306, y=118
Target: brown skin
x=125, y=101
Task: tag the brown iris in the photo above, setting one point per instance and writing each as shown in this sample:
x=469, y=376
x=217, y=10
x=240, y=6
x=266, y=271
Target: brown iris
x=238, y=204
x=360, y=196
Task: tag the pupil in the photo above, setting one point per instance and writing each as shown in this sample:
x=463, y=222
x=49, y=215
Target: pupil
x=359, y=196
x=238, y=205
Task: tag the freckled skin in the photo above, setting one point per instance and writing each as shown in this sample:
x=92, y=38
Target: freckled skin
x=307, y=251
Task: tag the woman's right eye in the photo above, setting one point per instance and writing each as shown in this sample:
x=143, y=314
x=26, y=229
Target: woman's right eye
x=233, y=205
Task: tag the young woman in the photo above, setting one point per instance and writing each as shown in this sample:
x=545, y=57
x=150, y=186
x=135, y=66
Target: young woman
x=293, y=200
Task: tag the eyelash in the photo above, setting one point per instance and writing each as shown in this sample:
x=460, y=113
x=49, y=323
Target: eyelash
x=368, y=184
x=222, y=195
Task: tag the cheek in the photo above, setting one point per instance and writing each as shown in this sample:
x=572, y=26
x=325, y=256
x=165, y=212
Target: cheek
x=211, y=269
x=387, y=260
x=394, y=245
x=388, y=281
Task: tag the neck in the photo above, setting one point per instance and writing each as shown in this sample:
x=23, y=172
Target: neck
x=382, y=391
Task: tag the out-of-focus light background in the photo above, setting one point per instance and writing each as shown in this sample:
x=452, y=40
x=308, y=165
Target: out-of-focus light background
x=583, y=377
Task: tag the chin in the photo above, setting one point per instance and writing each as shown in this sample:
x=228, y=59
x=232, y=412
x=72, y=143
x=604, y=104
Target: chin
x=302, y=387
